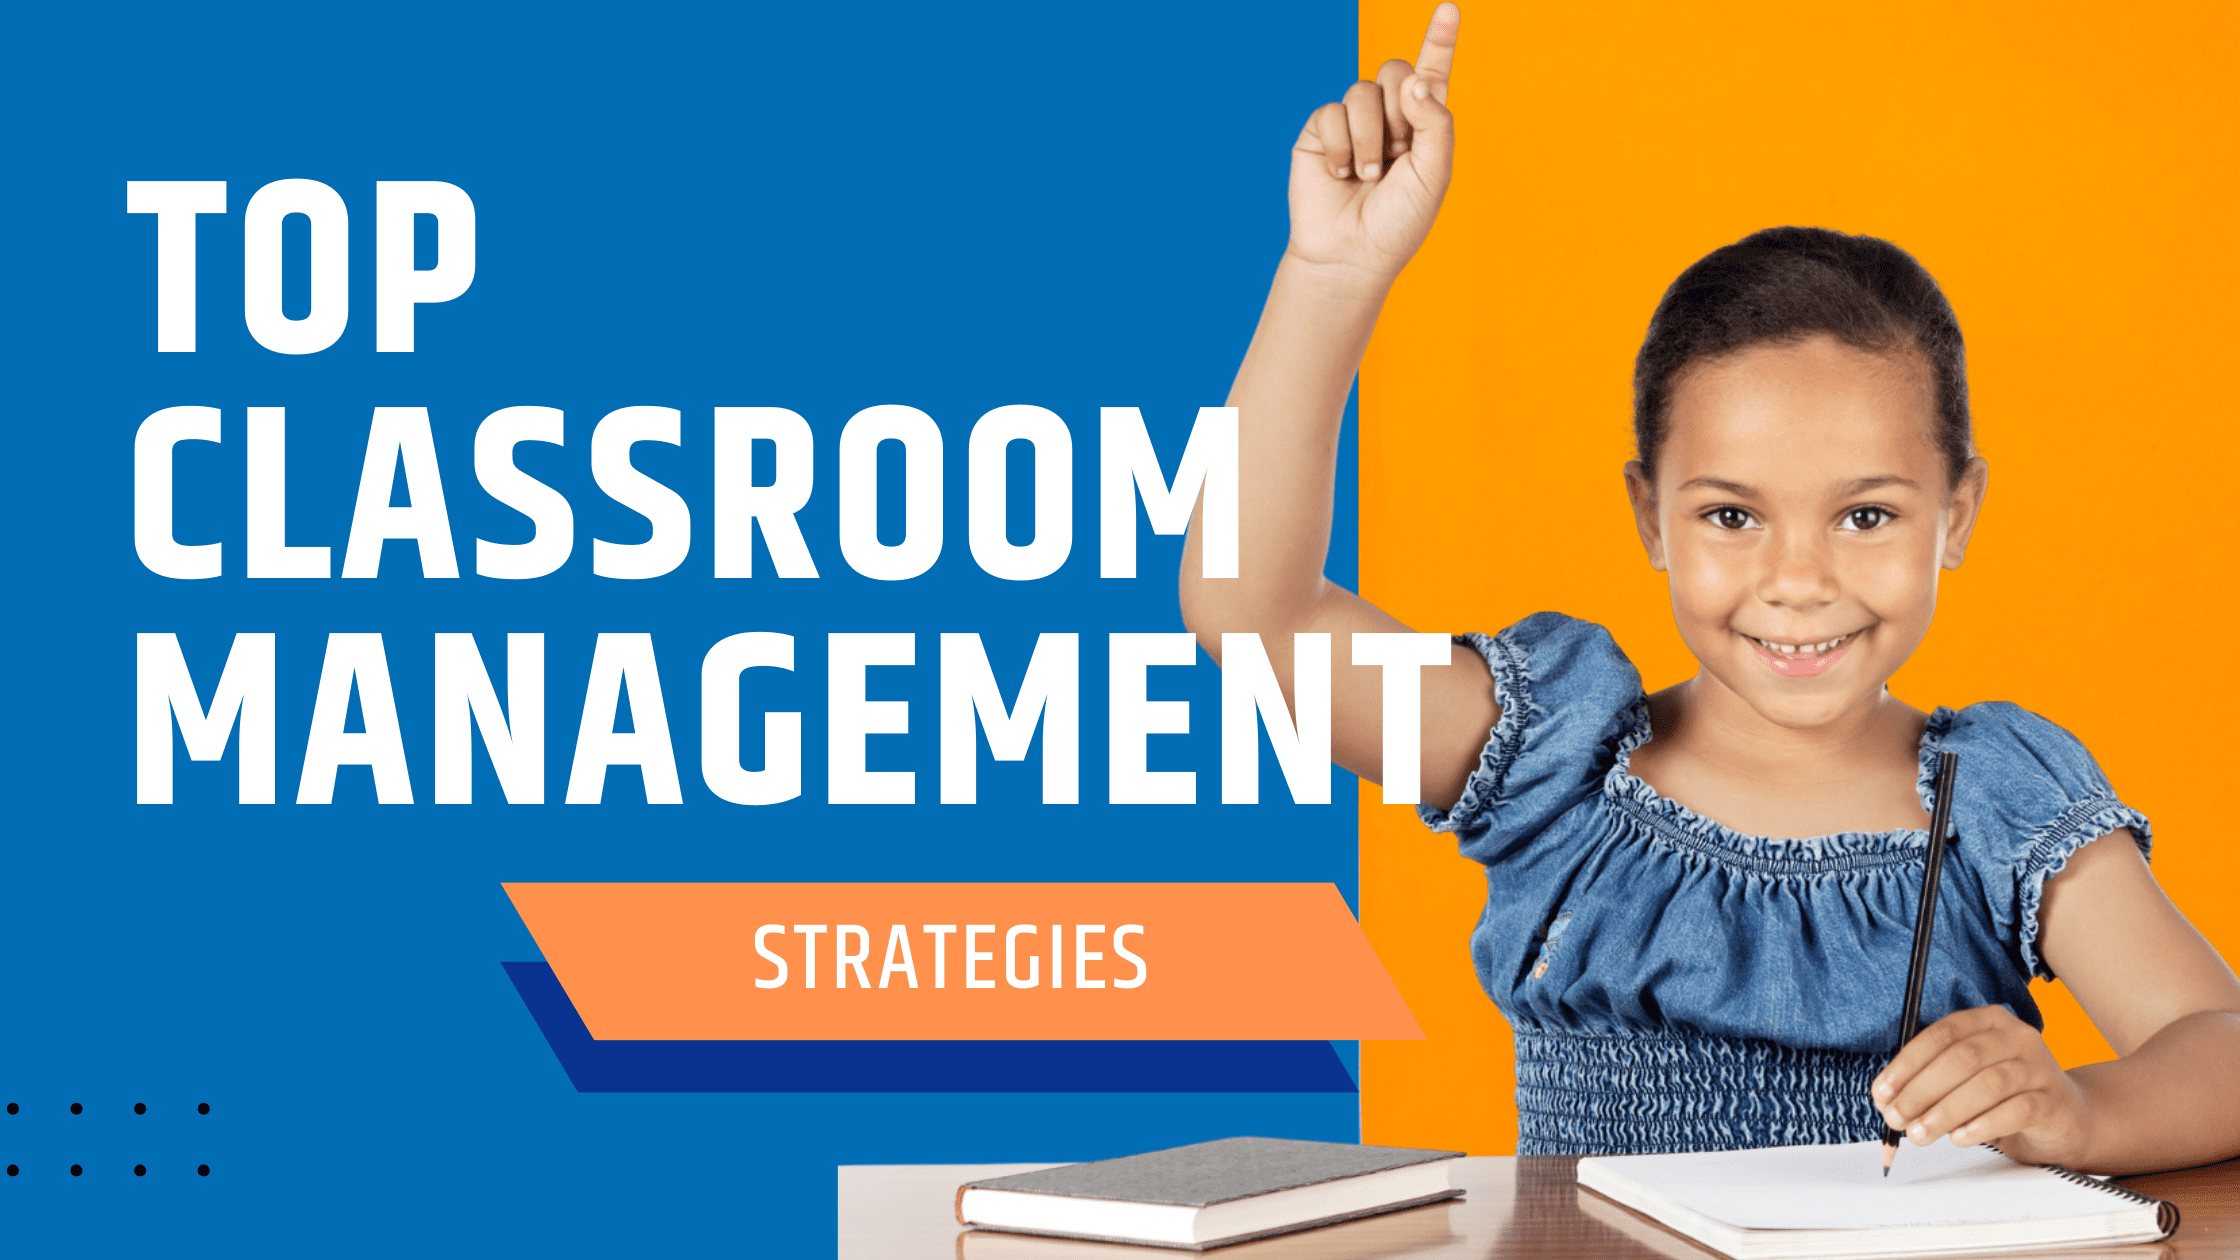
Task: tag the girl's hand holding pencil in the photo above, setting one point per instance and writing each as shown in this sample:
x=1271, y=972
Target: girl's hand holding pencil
x=2167, y=1004
x=1982, y=1076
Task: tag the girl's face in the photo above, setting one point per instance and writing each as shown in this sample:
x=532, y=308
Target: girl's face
x=1802, y=509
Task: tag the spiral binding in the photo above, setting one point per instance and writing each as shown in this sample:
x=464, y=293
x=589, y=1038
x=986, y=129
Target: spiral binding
x=2166, y=1212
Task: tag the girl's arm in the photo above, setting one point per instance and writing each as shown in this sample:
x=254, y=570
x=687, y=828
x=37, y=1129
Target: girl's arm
x=2154, y=987
x=1367, y=175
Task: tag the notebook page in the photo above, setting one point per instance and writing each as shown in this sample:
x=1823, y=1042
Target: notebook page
x=1842, y=1187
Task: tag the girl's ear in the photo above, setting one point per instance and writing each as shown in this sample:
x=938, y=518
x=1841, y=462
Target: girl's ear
x=1962, y=511
x=1644, y=498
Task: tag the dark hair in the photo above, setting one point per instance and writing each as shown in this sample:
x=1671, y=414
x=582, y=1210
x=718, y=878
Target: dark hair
x=1788, y=283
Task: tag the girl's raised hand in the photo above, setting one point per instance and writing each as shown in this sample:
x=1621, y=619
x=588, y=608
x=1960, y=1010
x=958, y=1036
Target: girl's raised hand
x=1981, y=1076
x=1369, y=171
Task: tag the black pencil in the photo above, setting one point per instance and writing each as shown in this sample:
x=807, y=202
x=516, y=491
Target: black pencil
x=1924, y=927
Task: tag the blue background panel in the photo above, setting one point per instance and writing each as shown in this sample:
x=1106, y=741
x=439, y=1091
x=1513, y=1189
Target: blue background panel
x=952, y=208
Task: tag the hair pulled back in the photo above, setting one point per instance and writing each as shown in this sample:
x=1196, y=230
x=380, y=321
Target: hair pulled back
x=1785, y=284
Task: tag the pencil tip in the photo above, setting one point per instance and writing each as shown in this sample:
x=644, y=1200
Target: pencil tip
x=1886, y=1170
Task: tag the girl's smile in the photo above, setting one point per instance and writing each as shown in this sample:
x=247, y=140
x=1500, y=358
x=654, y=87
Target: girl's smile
x=1802, y=660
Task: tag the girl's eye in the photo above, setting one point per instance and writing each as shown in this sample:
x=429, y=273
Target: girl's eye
x=1730, y=518
x=1863, y=519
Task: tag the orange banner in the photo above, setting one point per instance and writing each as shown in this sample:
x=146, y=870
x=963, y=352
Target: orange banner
x=963, y=962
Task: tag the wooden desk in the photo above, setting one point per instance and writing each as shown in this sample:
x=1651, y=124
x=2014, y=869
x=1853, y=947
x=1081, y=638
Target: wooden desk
x=1517, y=1207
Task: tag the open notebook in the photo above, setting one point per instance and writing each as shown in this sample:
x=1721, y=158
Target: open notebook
x=1832, y=1202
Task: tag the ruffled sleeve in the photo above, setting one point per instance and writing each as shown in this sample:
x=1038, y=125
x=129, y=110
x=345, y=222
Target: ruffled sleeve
x=1568, y=696
x=2028, y=797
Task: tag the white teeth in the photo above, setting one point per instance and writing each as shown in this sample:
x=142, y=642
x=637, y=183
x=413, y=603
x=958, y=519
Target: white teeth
x=1804, y=649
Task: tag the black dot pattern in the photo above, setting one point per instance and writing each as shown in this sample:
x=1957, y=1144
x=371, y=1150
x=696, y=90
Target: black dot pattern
x=138, y=1109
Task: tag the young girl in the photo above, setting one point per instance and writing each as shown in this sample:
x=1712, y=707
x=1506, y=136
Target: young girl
x=1701, y=902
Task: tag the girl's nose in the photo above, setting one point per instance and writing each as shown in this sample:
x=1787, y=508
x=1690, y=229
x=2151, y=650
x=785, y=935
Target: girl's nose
x=1799, y=571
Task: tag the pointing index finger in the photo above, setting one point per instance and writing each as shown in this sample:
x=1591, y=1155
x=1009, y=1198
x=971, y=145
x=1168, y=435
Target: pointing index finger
x=1436, y=61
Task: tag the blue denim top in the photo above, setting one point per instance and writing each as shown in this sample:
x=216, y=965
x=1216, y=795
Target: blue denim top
x=1674, y=985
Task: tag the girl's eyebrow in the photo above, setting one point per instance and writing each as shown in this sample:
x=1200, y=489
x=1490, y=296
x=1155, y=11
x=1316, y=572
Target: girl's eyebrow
x=1864, y=484
x=1735, y=488
x=1860, y=486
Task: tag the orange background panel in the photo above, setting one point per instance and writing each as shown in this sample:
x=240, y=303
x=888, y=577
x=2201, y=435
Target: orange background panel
x=677, y=962
x=2065, y=171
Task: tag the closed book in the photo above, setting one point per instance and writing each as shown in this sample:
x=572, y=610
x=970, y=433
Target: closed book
x=1210, y=1194
x=1833, y=1203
